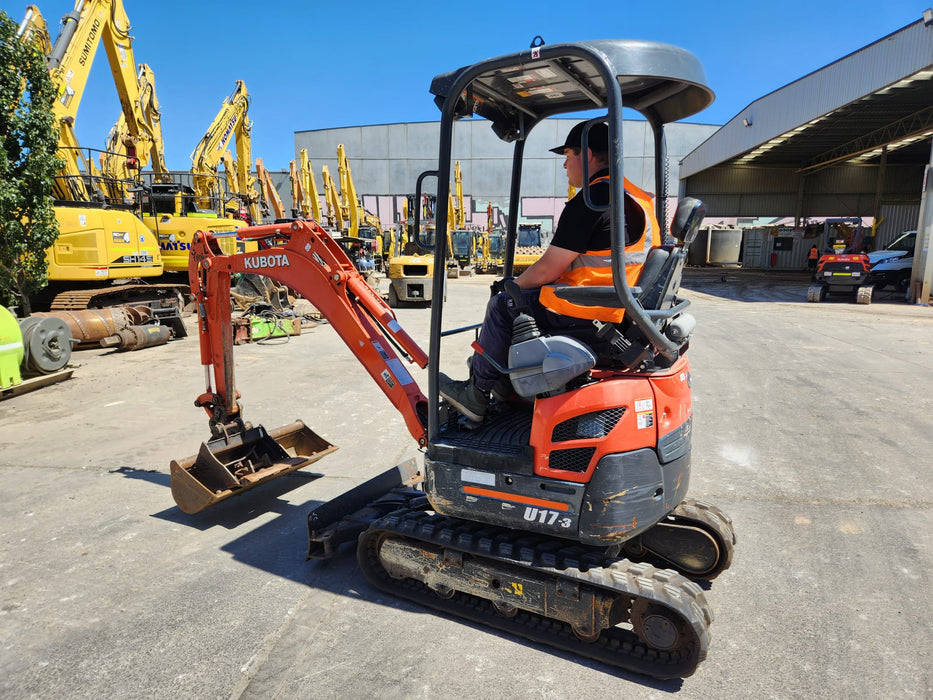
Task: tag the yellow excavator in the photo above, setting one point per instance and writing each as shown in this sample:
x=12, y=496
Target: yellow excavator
x=360, y=222
x=174, y=207
x=462, y=242
x=311, y=204
x=101, y=237
x=231, y=126
x=202, y=200
x=272, y=207
x=491, y=246
x=333, y=214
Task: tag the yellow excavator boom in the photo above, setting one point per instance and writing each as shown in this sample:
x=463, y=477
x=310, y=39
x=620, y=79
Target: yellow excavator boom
x=300, y=207
x=230, y=127
x=270, y=193
x=310, y=187
x=33, y=29
x=334, y=213
x=121, y=159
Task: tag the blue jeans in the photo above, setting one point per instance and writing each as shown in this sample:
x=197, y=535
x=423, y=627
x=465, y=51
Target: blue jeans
x=496, y=334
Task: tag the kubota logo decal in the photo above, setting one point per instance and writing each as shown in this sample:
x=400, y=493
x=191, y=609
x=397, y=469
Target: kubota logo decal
x=274, y=260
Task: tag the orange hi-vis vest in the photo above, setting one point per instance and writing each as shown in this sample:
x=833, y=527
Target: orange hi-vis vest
x=594, y=267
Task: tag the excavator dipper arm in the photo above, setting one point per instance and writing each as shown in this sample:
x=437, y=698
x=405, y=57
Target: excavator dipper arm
x=304, y=257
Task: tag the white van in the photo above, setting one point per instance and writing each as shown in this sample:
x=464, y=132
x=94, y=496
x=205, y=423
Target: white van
x=891, y=266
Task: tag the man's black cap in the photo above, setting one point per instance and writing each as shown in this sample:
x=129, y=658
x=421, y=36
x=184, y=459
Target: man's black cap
x=598, y=138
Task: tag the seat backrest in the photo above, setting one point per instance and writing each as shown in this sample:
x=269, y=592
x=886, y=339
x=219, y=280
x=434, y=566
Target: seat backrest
x=660, y=291
x=651, y=271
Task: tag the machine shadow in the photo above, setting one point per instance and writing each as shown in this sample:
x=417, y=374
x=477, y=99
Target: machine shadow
x=279, y=546
x=229, y=514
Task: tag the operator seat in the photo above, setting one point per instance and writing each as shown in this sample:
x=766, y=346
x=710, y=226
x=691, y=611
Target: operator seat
x=656, y=290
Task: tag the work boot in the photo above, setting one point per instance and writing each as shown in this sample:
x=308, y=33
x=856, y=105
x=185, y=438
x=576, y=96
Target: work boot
x=503, y=391
x=464, y=396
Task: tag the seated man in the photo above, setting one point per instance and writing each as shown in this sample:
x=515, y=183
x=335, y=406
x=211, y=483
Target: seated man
x=579, y=254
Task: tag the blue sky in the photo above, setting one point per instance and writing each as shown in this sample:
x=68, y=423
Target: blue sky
x=315, y=65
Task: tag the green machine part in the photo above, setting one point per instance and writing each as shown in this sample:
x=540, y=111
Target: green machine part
x=11, y=349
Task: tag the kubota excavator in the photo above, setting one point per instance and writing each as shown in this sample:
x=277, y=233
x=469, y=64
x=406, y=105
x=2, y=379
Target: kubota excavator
x=550, y=519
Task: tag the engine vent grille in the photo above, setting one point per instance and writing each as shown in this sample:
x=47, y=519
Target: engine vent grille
x=597, y=424
x=576, y=459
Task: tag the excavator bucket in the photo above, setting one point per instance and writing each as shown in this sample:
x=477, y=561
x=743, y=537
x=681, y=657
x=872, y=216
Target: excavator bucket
x=234, y=463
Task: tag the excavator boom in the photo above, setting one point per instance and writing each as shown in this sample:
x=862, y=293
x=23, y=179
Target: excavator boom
x=270, y=194
x=122, y=155
x=231, y=127
x=303, y=256
x=309, y=186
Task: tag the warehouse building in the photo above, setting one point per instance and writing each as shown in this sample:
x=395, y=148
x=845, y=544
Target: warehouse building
x=852, y=139
x=386, y=160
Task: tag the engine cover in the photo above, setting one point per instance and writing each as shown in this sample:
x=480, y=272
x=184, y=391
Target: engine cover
x=628, y=493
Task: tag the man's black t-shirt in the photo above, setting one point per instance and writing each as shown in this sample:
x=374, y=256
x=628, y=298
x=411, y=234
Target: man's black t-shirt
x=580, y=228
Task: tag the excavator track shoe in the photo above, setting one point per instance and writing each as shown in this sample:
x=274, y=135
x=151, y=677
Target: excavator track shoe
x=622, y=613
x=236, y=462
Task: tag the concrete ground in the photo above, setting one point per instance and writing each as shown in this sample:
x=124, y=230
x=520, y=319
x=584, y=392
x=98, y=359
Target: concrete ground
x=813, y=430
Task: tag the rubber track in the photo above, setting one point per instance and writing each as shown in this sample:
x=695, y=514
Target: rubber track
x=77, y=299
x=617, y=646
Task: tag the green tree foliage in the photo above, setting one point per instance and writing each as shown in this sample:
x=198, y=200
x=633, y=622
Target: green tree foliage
x=28, y=142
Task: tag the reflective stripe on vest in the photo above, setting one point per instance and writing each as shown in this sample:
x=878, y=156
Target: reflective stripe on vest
x=594, y=267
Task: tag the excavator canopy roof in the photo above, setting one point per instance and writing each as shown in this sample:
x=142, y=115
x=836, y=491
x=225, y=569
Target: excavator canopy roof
x=663, y=82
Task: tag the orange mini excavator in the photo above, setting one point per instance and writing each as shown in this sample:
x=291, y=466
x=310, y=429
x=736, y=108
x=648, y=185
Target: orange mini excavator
x=563, y=517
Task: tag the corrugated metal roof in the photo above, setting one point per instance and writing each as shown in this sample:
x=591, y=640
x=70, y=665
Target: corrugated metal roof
x=881, y=94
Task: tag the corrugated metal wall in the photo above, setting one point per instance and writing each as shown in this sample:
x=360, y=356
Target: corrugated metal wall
x=895, y=219
x=759, y=249
x=733, y=191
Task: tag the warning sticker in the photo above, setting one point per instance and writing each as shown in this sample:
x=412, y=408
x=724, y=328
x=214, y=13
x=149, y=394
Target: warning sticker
x=544, y=90
x=645, y=420
x=644, y=405
x=387, y=378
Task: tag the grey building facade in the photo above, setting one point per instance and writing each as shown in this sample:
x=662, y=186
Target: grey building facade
x=386, y=160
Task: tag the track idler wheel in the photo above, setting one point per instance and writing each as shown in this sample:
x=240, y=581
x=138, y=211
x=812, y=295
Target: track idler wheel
x=658, y=627
x=696, y=539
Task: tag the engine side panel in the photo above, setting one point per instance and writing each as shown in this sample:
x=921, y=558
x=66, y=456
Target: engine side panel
x=572, y=431
x=504, y=498
x=629, y=493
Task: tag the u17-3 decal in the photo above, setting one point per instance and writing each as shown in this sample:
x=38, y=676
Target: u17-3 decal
x=546, y=517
